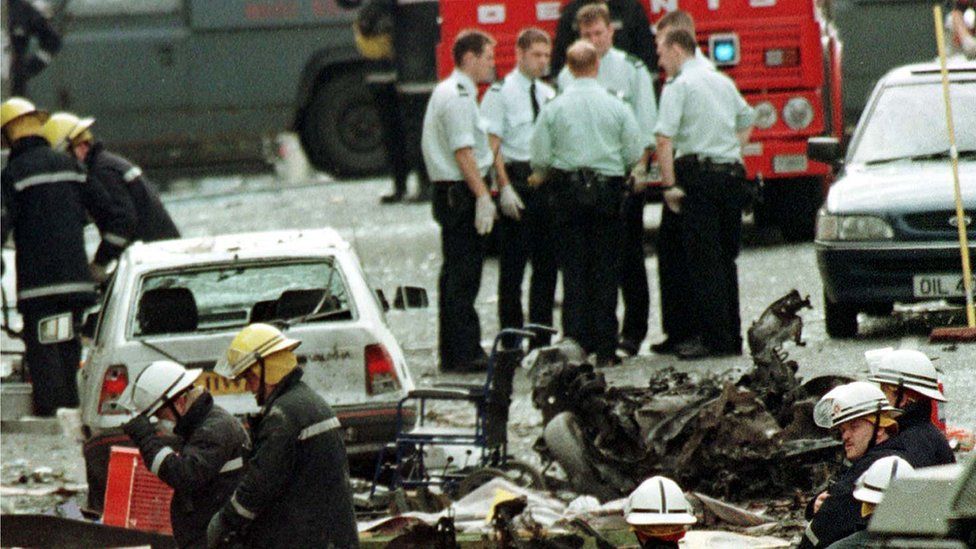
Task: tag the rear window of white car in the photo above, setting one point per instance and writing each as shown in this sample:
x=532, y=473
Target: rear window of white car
x=218, y=297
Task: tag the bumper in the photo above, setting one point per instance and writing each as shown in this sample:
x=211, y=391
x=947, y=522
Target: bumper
x=876, y=273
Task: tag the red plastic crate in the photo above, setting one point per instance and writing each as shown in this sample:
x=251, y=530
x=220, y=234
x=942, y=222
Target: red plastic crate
x=134, y=497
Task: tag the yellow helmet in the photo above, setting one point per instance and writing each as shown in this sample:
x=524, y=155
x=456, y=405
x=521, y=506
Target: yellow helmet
x=378, y=47
x=259, y=341
x=57, y=129
x=15, y=107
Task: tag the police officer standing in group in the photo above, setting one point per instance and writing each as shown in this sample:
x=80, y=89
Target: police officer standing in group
x=295, y=488
x=458, y=156
x=703, y=124
x=46, y=202
x=204, y=468
x=584, y=142
x=510, y=108
x=122, y=179
x=628, y=78
x=628, y=18
x=25, y=22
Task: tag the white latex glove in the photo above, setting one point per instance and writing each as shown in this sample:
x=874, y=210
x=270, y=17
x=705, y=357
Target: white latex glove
x=484, y=214
x=673, y=197
x=510, y=202
x=638, y=178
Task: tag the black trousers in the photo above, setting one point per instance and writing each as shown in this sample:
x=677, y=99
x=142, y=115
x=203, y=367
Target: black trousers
x=52, y=366
x=394, y=132
x=522, y=241
x=633, y=273
x=463, y=251
x=677, y=321
x=712, y=235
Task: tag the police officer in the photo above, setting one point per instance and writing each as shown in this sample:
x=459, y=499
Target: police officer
x=45, y=203
x=587, y=139
x=295, y=489
x=627, y=77
x=458, y=156
x=25, y=22
x=910, y=382
x=704, y=122
x=205, y=468
x=510, y=109
x=629, y=19
x=122, y=179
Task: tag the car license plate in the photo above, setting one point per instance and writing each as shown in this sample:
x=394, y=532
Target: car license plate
x=786, y=163
x=938, y=285
x=219, y=385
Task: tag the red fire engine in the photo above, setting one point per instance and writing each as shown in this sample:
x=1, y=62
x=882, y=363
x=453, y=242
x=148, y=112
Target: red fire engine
x=783, y=55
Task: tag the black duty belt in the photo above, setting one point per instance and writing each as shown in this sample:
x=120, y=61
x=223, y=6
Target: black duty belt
x=700, y=162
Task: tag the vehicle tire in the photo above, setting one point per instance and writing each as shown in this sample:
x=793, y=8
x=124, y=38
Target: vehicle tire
x=794, y=204
x=341, y=131
x=841, y=319
x=518, y=472
x=565, y=442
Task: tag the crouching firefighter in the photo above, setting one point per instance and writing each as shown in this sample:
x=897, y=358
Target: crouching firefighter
x=295, y=489
x=206, y=468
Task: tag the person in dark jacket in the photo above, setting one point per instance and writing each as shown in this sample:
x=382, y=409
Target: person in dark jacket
x=295, y=491
x=205, y=469
x=860, y=411
x=45, y=203
x=632, y=31
x=910, y=382
x=122, y=179
x=25, y=22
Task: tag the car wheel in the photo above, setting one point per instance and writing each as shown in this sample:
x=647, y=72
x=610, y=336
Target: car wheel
x=841, y=318
x=564, y=440
x=794, y=204
x=341, y=131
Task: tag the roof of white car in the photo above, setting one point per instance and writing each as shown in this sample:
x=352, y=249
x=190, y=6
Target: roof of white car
x=958, y=67
x=206, y=249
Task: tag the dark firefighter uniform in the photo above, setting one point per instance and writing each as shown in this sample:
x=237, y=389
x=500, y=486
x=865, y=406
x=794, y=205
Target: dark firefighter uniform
x=295, y=489
x=923, y=443
x=632, y=31
x=128, y=185
x=203, y=472
x=46, y=200
x=23, y=23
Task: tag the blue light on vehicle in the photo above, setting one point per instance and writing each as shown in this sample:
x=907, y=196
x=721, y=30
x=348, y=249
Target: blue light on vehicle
x=724, y=49
x=724, y=52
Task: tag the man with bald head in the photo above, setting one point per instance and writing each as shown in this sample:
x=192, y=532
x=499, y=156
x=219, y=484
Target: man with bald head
x=585, y=142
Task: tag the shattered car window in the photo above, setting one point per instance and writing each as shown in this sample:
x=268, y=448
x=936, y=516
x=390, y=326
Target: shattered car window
x=230, y=296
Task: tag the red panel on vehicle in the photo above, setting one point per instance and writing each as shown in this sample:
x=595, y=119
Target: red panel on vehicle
x=134, y=497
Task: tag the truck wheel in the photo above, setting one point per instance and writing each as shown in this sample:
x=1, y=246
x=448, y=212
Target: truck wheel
x=841, y=319
x=564, y=439
x=341, y=131
x=794, y=203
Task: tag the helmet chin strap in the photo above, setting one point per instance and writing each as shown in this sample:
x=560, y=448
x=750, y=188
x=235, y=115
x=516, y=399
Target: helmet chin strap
x=262, y=384
x=874, y=431
x=900, y=393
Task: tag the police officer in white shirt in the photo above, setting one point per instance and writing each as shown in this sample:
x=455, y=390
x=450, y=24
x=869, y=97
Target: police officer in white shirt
x=457, y=154
x=510, y=108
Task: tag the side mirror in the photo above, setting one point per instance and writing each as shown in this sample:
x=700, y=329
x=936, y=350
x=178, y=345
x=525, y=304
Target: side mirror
x=824, y=149
x=382, y=298
x=410, y=297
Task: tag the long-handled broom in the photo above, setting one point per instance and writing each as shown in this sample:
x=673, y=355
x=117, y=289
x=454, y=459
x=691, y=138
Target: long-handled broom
x=968, y=332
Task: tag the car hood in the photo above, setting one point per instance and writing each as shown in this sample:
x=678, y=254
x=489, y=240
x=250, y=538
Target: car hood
x=901, y=187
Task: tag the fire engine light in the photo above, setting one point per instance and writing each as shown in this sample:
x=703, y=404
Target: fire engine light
x=724, y=49
x=782, y=57
x=798, y=113
x=765, y=115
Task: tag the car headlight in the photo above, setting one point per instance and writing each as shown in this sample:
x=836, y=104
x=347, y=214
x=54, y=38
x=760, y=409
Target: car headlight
x=798, y=113
x=765, y=115
x=852, y=227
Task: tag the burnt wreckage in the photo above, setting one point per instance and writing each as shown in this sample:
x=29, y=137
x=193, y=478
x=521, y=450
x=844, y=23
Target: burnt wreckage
x=737, y=434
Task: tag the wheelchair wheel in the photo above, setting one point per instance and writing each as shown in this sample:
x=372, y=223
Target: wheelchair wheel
x=516, y=471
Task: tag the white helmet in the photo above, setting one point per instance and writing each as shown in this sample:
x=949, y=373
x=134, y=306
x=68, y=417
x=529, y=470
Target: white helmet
x=851, y=401
x=160, y=382
x=871, y=485
x=910, y=369
x=658, y=501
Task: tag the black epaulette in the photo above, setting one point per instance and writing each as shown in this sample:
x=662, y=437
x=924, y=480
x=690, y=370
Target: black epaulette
x=462, y=91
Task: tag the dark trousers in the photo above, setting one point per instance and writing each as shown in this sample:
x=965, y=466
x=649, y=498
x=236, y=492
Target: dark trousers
x=633, y=273
x=463, y=251
x=52, y=366
x=677, y=319
x=712, y=234
x=522, y=241
x=394, y=133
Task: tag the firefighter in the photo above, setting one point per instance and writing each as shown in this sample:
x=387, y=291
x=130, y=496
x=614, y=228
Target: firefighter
x=869, y=490
x=910, y=382
x=630, y=20
x=703, y=123
x=123, y=180
x=585, y=141
x=658, y=513
x=860, y=412
x=457, y=155
x=25, y=22
x=45, y=204
x=626, y=77
x=962, y=33
x=510, y=108
x=295, y=489
x=204, y=469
